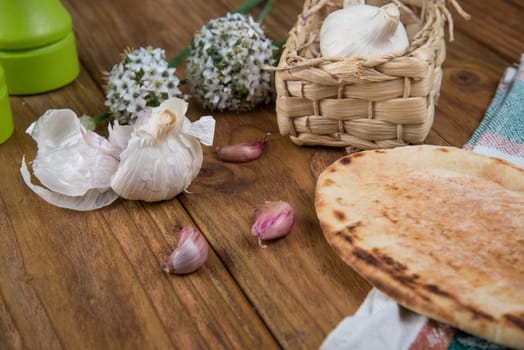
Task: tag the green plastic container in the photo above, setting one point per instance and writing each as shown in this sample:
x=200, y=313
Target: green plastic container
x=6, y=118
x=37, y=46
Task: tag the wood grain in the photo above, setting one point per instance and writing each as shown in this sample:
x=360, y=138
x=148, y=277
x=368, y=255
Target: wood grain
x=72, y=280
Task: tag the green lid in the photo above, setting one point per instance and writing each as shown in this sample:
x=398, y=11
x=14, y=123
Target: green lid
x=2, y=76
x=42, y=69
x=26, y=24
x=37, y=46
x=6, y=118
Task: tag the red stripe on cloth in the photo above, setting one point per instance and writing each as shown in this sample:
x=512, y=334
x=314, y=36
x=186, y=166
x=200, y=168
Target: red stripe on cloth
x=433, y=336
x=501, y=143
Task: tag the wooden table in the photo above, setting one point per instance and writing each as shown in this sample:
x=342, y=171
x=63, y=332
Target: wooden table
x=92, y=280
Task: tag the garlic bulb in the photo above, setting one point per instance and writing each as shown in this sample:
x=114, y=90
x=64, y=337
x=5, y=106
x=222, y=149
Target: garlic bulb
x=363, y=30
x=163, y=155
x=154, y=159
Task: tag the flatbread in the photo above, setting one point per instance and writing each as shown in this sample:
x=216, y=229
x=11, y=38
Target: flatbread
x=438, y=229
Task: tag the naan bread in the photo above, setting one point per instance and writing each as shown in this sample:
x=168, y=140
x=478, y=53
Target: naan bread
x=438, y=229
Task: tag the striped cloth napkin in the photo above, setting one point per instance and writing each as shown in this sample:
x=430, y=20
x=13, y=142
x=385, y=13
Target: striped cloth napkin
x=501, y=132
x=382, y=324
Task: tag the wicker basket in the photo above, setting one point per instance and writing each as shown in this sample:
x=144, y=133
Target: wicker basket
x=358, y=103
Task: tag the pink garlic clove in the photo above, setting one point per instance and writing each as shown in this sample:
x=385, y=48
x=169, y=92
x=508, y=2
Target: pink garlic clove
x=190, y=253
x=242, y=152
x=272, y=220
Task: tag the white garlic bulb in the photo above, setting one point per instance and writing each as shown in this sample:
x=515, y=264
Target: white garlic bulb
x=163, y=155
x=360, y=30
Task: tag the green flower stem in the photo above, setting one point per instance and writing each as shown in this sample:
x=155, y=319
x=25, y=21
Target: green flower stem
x=280, y=43
x=181, y=56
x=101, y=118
x=265, y=11
x=246, y=6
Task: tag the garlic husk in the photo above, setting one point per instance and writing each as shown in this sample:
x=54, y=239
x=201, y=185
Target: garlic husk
x=73, y=164
x=119, y=135
x=365, y=31
x=163, y=155
x=70, y=159
x=272, y=220
x=190, y=253
x=92, y=199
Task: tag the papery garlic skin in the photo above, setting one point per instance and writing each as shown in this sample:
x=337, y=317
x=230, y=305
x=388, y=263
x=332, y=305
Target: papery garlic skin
x=162, y=156
x=74, y=164
x=272, y=220
x=119, y=135
x=65, y=162
x=191, y=252
x=363, y=31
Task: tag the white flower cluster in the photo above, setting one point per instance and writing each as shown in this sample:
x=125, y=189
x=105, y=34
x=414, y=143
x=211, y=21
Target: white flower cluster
x=225, y=65
x=142, y=79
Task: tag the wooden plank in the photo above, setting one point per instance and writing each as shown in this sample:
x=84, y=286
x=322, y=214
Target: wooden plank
x=252, y=274
x=21, y=311
x=497, y=26
x=283, y=281
x=94, y=279
x=64, y=288
x=205, y=307
x=471, y=74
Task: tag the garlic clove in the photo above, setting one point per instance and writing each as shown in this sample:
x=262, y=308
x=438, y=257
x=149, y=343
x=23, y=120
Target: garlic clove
x=242, y=152
x=272, y=220
x=190, y=253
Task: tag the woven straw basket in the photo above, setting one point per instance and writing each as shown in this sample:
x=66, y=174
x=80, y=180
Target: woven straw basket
x=358, y=103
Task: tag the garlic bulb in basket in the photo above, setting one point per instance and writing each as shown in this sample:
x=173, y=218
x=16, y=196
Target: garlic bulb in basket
x=363, y=30
x=163, y=155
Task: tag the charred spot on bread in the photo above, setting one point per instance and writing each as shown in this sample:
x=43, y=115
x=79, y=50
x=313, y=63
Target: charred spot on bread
x=328, y=182
x=352, y=227
x=346, y=237
x=517, y=320
x=366, y=257
x=345, y=160
x=340, y=215
x=386, y=215
x=436, y=290
x=393, y=263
